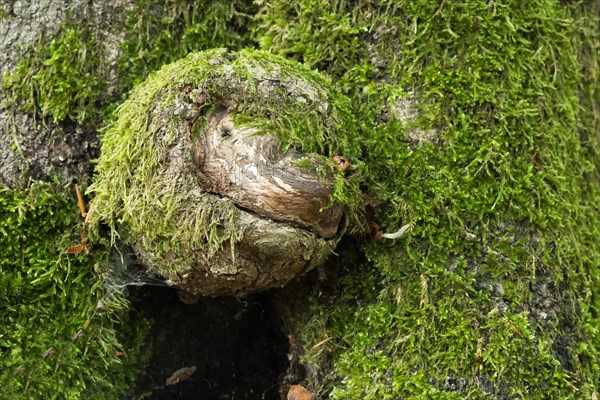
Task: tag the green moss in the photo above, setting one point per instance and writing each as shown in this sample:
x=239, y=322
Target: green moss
x=60, y=331
x=4, y=15
x=304, y=163
x=160, y=32
x=489, y=295
x=165, y=211
x=60, y=77
x=65, y=76
x=504, y=202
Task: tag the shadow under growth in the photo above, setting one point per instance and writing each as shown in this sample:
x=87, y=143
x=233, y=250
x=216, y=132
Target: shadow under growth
x=236, y=346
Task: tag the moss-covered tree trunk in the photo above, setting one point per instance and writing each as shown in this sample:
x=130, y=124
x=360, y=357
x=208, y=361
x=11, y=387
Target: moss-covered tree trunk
x=479, y=128
x=58, y=61
x=480, y=124
x=65, y=66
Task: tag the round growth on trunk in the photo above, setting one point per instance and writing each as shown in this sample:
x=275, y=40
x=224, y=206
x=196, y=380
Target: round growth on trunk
x=217, y=171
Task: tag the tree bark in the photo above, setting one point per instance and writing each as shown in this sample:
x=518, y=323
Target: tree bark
x=258, y=176
x=36, y=147
x=389, y=300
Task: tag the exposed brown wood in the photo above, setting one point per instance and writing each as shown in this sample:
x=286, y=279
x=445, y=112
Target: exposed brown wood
x=258, y=176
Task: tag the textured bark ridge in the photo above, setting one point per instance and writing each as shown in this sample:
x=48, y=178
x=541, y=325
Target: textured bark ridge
x=218, y=172
x=258, y=176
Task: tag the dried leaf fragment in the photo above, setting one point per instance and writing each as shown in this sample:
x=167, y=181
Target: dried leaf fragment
x=321, y=343
x=182, y=374
x=341, y=162
x=48, y=352
x=77, y=249
x=297, y=392
x=78, y=335
x=398, y=234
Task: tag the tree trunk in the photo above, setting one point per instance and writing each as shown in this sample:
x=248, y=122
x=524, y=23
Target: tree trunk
x=478, y=126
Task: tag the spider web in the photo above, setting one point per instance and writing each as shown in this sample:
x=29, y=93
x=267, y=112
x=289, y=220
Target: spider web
x=126, y=271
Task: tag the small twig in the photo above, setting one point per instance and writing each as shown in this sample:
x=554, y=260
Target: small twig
x=80, y=202
x=514, y=328
x=321, y=343
x=82, y=246
x=89, y=214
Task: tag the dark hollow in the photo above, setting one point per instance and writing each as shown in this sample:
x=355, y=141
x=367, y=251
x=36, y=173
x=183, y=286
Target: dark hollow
x=236, y=345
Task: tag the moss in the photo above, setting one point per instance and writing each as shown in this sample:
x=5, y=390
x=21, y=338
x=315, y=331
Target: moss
x=489, y=294
x=4, y=15
x=304, y=163
x=60, y=77
x=61, y=333
x=493, y=293
x=160, y=32
x=64, y=76
x=167, y=212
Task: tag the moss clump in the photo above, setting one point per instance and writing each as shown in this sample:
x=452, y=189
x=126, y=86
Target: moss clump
x=4, y=15
x=60, y=333
x=60, y=77
x=159, y=207
x=489, y=294
x=160, y=32
x=64, y=76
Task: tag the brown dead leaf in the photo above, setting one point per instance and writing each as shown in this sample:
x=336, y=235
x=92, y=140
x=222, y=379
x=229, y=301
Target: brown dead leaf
x=77, y=249
x=297, y=392
x=182, y=374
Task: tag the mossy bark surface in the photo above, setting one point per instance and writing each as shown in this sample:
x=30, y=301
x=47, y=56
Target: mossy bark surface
x=200, y=175
x=58, y=64
x=66, y=328
x=493, y=291
x=478, y=126
x=66, y=65
x=63, y=334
